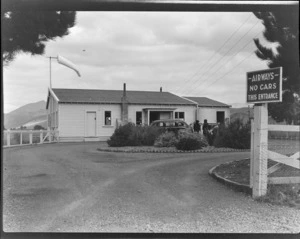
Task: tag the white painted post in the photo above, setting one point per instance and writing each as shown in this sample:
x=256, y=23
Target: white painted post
x=57, y=136
x=8, y=137
x=30, y=137
x=148, y=117
x=41, y=136
x=260, y=162
x=252, y=153
x=21, y=138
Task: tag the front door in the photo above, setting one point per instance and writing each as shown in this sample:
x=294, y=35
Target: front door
x=91, y=124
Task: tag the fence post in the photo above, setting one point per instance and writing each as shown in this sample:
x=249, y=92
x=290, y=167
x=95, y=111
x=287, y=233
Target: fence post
x=8, y=137
x=21, y=138
x=260, y=151
x=252, y=153
x=50, y=136
x=41, y=136
x=57, y=135
x=30, y=137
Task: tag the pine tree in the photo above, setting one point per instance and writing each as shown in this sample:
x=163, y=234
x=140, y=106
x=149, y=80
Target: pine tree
x=282, y=27
x=28, y=31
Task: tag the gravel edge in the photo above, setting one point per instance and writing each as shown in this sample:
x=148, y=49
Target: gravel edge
x=234, y=185
x=159, y=150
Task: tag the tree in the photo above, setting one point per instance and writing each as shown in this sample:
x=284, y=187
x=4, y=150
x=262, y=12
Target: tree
x=38, y=127
x=28, y=31
x=282, y=27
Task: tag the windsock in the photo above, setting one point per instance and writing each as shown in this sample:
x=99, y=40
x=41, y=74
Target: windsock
x=67, y=63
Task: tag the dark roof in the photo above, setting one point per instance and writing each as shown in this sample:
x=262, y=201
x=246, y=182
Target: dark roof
x=203, y=101
x=114, y=96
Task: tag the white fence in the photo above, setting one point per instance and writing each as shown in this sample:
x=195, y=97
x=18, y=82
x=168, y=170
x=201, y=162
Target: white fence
x=29, y=137
x=281, y=157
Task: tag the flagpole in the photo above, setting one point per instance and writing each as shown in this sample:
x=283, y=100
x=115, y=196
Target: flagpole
x=50, y=58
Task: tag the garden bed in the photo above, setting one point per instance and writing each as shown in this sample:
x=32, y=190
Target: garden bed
x=153, y=149
x=285, y=194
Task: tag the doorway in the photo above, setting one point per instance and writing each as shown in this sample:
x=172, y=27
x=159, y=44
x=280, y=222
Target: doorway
x=220, y=117
x=154, y=115
x=91, y=124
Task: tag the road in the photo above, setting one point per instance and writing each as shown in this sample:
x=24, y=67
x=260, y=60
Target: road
x=75, y=188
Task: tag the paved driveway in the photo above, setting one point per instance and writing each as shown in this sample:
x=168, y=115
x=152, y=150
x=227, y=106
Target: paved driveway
x=75, y=188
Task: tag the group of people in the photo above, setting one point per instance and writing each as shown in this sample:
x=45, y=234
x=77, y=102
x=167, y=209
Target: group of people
x=197, y=127
x=208, y=131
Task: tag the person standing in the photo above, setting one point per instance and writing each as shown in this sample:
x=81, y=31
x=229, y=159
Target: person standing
x=197, y=127
x=205, y=127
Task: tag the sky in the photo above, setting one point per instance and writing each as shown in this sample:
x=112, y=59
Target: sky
x=201, y=54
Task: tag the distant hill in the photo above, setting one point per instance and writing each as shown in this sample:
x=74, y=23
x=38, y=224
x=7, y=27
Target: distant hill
x=27, y=115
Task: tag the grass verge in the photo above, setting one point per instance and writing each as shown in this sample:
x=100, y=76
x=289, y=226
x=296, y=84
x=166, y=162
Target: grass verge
x=282, y=194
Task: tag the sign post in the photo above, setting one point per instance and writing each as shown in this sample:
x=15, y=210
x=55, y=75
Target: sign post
x=263, y=87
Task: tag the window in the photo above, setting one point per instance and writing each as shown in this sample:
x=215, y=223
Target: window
x=179, y=115
x=107, y=117
x=138, y=118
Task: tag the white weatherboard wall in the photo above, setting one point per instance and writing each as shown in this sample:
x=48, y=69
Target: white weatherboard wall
x=189, y=113
x=210, y=113
x=52, y=112
x=72, y=120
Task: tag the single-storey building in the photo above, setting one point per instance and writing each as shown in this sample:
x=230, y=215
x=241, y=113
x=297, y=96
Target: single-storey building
x=93, y=115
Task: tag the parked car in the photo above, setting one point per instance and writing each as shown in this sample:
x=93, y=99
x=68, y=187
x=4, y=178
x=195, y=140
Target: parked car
x=171, y=124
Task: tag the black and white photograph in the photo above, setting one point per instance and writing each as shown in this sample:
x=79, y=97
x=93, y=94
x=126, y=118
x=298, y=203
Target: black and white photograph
x=150, y=117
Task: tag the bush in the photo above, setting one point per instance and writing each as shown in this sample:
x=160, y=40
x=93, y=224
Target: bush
x=150, y=133
x=190, y=141
x=237, y=135
x=131, y=135
x=121, y=136
x=38, y=127
x=167, y=139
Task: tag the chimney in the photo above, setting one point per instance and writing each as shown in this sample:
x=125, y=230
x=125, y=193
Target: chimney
x=124, y=106
x=124, y=90
x=160, y=89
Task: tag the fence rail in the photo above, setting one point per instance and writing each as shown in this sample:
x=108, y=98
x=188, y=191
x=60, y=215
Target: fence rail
x=29, y=137
x=281, y=159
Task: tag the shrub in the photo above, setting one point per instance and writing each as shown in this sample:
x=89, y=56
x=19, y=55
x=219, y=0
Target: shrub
x=150, y=133
x=121, y=136
x=167, y=139
x=190, y=141
x=131, y=135
x=237, y=135
x=38, y=127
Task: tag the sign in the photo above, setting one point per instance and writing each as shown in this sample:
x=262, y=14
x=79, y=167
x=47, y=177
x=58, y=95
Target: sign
x=264, y=86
